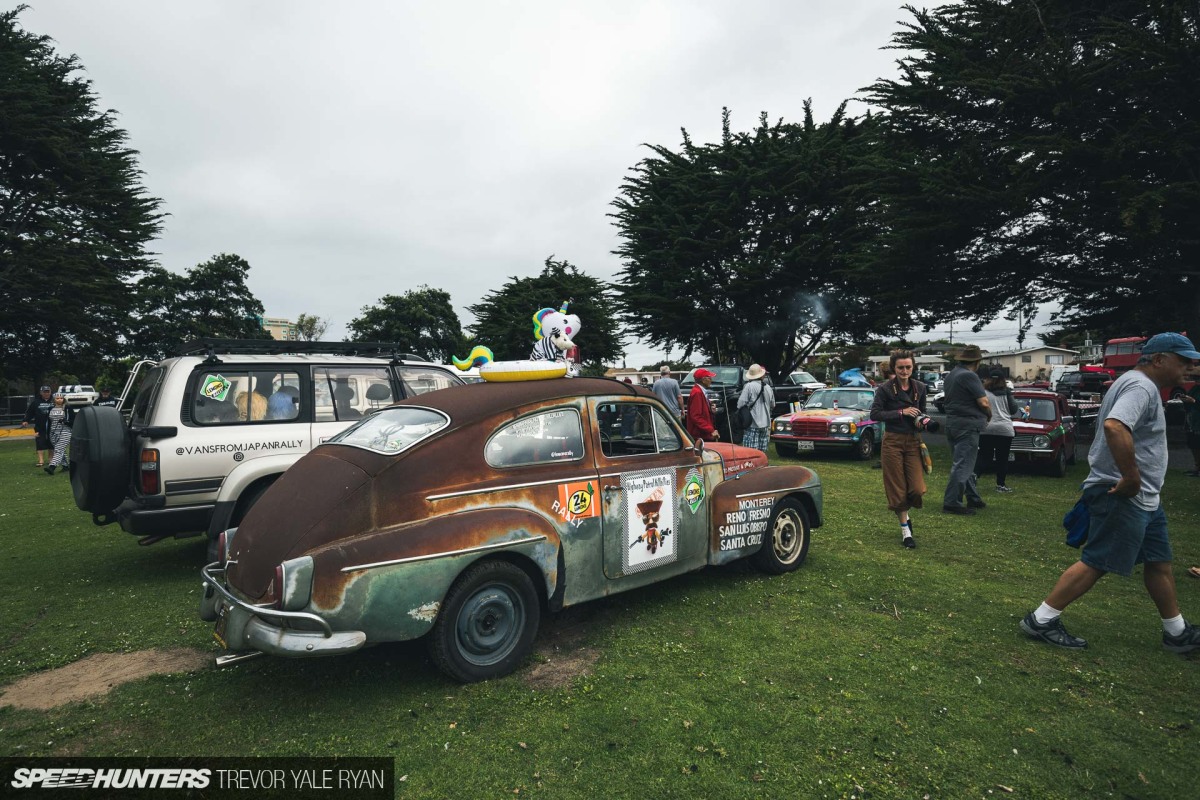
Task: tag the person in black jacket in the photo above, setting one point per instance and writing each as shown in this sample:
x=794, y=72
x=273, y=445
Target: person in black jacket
x=899, y=403
x=107, y=399
x=36, y=415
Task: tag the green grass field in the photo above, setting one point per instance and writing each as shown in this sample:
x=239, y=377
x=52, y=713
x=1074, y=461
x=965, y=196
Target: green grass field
x=873, y=671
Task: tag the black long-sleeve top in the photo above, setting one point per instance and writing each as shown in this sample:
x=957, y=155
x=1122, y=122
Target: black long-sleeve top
x=890, y=399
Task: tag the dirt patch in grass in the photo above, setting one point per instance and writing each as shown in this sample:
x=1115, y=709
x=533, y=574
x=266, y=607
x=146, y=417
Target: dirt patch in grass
x=97, y=675
x=562, y=651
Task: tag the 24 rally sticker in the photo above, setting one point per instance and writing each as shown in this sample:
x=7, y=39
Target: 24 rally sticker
x=577, y=502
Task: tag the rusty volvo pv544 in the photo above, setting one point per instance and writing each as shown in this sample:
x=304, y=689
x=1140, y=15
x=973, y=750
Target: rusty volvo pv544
x=465, y=514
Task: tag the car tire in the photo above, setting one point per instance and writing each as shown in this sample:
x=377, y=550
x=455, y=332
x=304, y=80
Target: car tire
x=99, y=460
x=786, y=450
x=864, y=448
x=785, y=544
x=487, y=623
x=1058, y=467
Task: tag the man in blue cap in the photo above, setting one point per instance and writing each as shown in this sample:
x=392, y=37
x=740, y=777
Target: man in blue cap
x=1128, y=463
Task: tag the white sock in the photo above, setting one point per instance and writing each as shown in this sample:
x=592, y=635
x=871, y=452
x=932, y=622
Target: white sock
x=906, y=529
x=1046, y=614
x=1174, y=625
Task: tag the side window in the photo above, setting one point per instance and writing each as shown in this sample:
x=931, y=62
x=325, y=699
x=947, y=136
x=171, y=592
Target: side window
x=147, y=393
x=233, y=397
x=419, y=380
x=546, y=438
x=347, y=393
x=634, y=429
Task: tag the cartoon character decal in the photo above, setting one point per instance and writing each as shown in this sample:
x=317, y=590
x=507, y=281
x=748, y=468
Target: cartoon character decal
x=648, y=511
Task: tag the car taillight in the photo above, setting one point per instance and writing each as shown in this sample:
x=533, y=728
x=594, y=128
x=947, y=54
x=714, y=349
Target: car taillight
x=278, y=587
x=222, y=549
x=148, y=470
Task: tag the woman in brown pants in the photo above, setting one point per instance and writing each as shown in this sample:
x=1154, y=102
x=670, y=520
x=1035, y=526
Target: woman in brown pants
x=899, y=402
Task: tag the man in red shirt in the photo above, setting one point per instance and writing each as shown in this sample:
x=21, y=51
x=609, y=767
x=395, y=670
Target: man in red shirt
x=700, y=423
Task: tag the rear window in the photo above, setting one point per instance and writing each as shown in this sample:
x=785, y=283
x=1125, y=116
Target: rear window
x=147, y=394
x=393, y=430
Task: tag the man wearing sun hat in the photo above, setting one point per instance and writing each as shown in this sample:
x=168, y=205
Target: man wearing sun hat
x=967, y=412
x=758, y=396
x=700, y=422
x=1128, y=462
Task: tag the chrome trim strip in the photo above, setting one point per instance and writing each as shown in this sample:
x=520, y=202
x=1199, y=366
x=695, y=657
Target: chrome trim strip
x=259, y=611
x=481, y=549
x=506, y=487
x=770, y=491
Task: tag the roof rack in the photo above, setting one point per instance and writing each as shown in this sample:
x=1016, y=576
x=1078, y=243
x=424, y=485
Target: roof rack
x=273, y=347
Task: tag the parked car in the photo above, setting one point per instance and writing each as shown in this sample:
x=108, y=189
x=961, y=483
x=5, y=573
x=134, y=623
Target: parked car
x=78, y=395
x=462, y=515
x=1077, y=385
x=795, y=389
x=211, y=429
x=832, y=419
x=1045, y=431
x=932, y=380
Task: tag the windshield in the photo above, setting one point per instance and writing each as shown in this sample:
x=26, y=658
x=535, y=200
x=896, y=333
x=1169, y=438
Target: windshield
x=1040, y=410
x=393, y=430
x=847, y=399
x=798, y=378
x=727, y=375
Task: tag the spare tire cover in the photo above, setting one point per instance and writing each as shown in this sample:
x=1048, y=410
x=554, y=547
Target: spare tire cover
x=99, y=459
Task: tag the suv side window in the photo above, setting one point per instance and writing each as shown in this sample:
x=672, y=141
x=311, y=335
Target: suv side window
x=236, y=396
x=419, y=380
x=347, y=393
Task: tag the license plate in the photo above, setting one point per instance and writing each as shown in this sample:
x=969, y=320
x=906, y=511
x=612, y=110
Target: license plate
x=803, y=445
x=219, y=629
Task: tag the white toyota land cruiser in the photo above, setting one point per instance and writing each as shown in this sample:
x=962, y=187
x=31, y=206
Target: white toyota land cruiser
x=210, y=430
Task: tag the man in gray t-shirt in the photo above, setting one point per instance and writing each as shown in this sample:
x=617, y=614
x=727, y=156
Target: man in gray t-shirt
x=1128, y=462
x=967, y=411
x=666, y=389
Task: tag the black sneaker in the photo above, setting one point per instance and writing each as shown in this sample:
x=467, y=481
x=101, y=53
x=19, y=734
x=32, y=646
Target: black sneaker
x=49, y=470
x=1185, y=642
x=1054, y=633
x=909, y=542
x=963, y=510
x=976, y=504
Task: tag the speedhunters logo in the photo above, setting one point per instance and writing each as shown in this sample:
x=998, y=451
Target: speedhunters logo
x=198, y=778
x=84, y=778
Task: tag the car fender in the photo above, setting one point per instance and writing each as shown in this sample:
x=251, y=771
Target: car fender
x=741, y=508
x=390, y=583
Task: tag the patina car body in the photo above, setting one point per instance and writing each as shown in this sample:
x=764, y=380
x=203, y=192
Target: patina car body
x=832, y=419
x=1044, y=428
x=464, y=513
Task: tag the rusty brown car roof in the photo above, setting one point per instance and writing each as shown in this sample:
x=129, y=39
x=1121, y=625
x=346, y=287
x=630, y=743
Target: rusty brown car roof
x=475, y=401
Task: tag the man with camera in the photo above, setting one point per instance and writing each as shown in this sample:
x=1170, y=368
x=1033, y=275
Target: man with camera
x=967, y=412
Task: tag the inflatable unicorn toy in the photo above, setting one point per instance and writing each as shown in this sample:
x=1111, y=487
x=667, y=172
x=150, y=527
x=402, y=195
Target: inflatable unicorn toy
x=553, y=330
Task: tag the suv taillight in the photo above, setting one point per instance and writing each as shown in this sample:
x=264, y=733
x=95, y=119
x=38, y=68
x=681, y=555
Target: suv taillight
x=148, y=471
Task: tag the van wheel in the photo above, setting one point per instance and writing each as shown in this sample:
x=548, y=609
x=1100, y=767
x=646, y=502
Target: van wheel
x=487, y=622
x=100, y=469
x=785, y=544
x=244, y=504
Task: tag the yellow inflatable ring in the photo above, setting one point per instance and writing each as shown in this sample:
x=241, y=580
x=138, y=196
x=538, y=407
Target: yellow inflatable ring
x=505, y=371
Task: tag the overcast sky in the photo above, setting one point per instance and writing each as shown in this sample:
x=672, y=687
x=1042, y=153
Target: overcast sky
x=359, y=149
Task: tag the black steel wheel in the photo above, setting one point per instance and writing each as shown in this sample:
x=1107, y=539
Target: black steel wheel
x=487, y=623
x=865, y=447
x=1058, y=467
x=785, y=544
